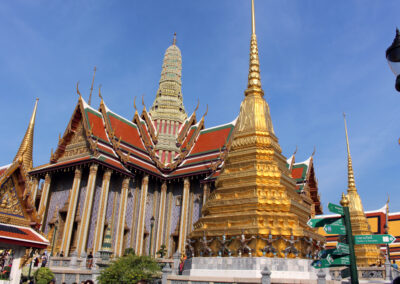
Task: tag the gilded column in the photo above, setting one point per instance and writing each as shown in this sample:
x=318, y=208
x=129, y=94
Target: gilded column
x=69, y=222
x=142, y=215
x=43, y=200
x=101, y=213
x=168, y=232
x=87, y=209
x=184, y=216
x=33, y=189
x=134, y=217
x=119, y=242
x=161, y=216
x=206, y=192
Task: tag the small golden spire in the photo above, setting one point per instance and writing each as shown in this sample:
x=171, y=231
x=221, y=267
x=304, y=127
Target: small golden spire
x=174, y=40
x=26, y=148
x=253, y=19
x=351, y=182
x=91, y=88
x=345, y=201
x=254, y=80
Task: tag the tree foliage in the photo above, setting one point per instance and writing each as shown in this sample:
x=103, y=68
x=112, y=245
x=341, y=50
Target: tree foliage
x=43, y=275
x=130, y=269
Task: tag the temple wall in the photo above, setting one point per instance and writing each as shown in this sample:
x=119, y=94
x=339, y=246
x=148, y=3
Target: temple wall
x=129, y=212
x=58, y=196
x=149, y=212
x=197, y=203
x=135, y=214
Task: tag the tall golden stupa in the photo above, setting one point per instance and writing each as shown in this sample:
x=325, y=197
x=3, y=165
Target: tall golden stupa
x=255, y=208
x=366, y=255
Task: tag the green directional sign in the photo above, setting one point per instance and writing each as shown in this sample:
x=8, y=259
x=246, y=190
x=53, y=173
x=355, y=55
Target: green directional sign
x=335, y=208
x=335, y=229
x=374, y=239
x=345, y=273
x=320, y=263
x=344, y=260
x=320, y=222
x=341, y=249
x=329, y=259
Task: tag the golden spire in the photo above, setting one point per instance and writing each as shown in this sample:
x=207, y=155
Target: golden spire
x=174, y=40
x=91, y=88
x=26, y=147
x=351, y=182
x=253, y=19
x=254, y=80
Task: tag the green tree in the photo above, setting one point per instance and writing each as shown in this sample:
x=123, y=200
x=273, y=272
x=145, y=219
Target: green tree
x=43, y=275
x=130, y=269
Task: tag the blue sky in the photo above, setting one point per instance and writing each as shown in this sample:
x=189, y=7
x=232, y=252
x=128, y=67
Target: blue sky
x=318, y=59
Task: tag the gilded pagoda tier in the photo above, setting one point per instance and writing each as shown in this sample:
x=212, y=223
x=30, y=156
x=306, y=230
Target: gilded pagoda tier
x=255, y=200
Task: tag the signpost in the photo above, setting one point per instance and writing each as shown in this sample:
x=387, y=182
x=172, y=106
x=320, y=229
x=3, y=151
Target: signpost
x=335, y=229
x=344, y=254
x=374, y=239
x=314, y=223
x=335, y=208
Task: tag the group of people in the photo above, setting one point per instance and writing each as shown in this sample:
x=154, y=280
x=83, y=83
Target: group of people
x=6, y=259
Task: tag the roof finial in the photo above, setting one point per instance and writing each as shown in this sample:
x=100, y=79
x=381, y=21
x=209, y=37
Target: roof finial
x=253, y=19
x=254, y=79
x=91, y=88
x=101, y=97
x=77, y=89
x=174, y=40
x=350, y=179
x=26, y=148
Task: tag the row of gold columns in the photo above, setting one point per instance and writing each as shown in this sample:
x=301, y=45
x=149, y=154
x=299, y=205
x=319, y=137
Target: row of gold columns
x=101, y=213
x=161, y=217
x=43, y=200
x=142, y=215
x=119, y=242
x=87, y=209
x=66, y=240
x=184, y=216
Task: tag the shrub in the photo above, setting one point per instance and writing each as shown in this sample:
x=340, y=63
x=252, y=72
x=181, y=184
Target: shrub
x=43, y=275
x=130, y=269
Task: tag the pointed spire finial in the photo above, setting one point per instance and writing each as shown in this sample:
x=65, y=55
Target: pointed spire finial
x=350, y=179
x=26, y=148
x=101, y=97
x=254, y=78
x=91, y=88
x=174, y=40
x=253, y=19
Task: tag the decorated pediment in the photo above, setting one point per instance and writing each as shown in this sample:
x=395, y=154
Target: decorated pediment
x=9, y=202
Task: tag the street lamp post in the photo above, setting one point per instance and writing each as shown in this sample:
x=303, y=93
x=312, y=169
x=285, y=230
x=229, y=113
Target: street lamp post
x=151, y=232
x=393, y=58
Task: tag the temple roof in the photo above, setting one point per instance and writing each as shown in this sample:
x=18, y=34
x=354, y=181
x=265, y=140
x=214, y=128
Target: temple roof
x=127, y=146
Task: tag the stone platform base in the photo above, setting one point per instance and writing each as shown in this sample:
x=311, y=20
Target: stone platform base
x=251, y=267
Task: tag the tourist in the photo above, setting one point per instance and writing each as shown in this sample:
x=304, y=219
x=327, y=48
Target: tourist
x=397, y=280
x=44, y=260
x=89, y=261
x=394, y=265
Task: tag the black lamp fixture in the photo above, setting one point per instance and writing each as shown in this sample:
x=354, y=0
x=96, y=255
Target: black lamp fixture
x=393, y=58
x=152, y=221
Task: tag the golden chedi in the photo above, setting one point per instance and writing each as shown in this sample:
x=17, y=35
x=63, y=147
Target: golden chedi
x=255, y=208
x=366, y=255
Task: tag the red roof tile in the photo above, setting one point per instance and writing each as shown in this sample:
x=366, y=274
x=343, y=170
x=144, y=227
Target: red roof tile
x=22, y=236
